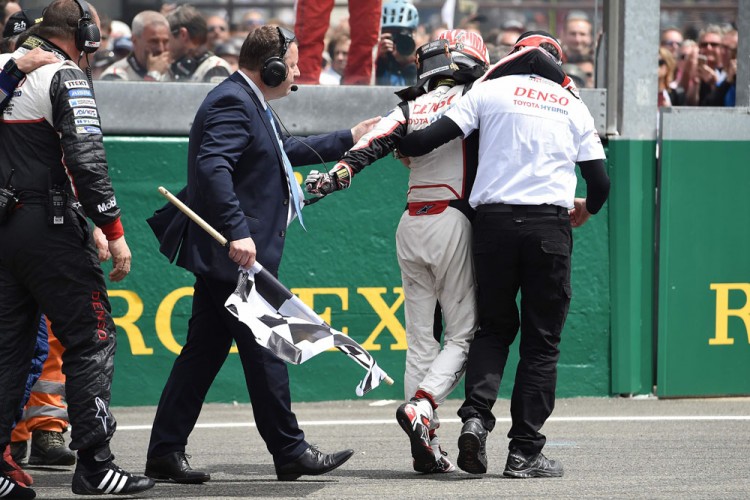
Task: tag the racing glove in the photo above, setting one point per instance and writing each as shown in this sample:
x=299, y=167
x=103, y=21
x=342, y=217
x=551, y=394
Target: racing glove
x=322, y=184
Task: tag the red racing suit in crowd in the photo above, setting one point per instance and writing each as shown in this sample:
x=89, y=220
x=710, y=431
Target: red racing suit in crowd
x=313, y=20
x=51, y=141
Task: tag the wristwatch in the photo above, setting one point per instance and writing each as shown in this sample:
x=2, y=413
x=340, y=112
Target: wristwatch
x=9, y=79
x=11, y=69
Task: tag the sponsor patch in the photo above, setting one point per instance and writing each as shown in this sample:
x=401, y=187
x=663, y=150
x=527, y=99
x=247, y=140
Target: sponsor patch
x=77, y=84
x=87, y=121
x=76, y=103
x=86, y=112
x=80, y=93
x=103, y=207
x=88, y=130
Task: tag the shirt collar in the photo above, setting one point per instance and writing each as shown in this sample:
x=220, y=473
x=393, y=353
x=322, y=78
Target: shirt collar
x=255, y=88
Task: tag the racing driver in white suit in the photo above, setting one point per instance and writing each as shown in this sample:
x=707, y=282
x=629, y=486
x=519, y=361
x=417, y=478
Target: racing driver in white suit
x=433, y=238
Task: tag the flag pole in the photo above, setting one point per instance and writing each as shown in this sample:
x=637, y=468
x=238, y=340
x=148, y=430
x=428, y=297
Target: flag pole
x=195, y=217
x=210, y=230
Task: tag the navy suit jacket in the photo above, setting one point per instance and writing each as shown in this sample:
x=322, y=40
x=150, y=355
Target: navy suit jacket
x=236, y=182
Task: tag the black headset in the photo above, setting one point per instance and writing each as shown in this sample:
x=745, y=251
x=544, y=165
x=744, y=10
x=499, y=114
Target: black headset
x=274, y=70
x=88, y=37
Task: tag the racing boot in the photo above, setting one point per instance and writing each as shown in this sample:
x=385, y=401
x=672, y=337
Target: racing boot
x=415, y=418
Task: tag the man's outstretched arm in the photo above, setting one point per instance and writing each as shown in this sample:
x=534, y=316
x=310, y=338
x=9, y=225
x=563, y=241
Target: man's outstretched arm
x=423, y=141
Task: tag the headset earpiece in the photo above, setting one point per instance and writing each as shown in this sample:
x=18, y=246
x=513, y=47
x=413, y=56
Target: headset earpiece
x=275, y=70
x=88, y=37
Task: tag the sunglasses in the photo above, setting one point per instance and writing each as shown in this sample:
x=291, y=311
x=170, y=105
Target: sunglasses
x=671, y=43
x=705, y=45
x=662, y=62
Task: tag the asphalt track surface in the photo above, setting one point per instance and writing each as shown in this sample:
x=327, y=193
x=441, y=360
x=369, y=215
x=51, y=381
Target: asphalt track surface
x=609, y=448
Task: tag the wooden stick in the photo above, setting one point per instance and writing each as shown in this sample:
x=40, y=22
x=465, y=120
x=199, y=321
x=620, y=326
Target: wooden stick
x=195, y=217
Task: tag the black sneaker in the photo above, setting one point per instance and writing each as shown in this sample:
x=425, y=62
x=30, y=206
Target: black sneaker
x=472, y=452
x=10, y=489
x=521, y=466
x=108, y=479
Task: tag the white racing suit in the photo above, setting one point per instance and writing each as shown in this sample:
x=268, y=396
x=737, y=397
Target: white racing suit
x=433, y=242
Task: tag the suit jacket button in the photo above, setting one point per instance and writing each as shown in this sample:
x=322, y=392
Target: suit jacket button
x=286, y=202
x=282, y=233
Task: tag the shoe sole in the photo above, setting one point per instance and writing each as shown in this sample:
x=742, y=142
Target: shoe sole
x=436, y=469
x=469, y=447
x=168, y=479
x=421, y=451
x=83, y=487
x=530, y=473
x=295, y=475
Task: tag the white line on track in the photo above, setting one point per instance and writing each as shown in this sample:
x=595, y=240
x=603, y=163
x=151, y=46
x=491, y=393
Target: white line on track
x=313, y=423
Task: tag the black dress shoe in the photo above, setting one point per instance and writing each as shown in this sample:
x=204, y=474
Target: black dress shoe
x=175, y=467
x=312, y=463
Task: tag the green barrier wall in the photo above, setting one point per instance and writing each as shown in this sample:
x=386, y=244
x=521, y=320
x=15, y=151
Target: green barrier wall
x=632, y=169
x=704, y=269
x=345, y=267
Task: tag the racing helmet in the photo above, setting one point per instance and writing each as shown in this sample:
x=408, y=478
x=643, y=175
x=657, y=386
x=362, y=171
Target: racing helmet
x=399, y=14
x=464, y=57
x=468, y=44
x=540, y=39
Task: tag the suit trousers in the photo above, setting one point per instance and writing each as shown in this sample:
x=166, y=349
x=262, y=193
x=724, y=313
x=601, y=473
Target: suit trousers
x=529, y=252
x=211, y=330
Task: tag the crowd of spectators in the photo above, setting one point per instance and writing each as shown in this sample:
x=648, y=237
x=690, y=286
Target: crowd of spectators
x=697, y=67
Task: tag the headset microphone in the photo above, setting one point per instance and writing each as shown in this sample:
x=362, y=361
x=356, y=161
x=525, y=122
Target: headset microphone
x=293, y=88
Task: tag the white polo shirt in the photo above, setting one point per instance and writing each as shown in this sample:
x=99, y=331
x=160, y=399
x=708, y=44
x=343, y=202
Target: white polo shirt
x=531, y=134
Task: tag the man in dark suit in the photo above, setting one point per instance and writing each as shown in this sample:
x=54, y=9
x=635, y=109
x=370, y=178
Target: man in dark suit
x=238, y=182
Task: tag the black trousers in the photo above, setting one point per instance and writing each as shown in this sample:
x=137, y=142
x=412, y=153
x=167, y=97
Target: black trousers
x=211, y=331
x=527, y=251
x=55, y=270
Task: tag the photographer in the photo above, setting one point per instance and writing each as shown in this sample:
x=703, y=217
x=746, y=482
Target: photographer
x=396, y=63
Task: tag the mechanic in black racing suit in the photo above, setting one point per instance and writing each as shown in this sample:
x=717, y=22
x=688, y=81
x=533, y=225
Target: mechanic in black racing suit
x=53, y=169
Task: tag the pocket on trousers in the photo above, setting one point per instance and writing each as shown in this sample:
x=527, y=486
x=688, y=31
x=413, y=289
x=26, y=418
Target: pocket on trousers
x=556, y=248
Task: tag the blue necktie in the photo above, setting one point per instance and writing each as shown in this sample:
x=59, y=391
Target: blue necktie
x=293, y=186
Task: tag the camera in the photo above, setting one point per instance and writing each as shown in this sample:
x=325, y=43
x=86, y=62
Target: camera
x=403, y=40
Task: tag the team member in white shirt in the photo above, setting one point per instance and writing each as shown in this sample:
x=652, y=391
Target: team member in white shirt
x=533, y=132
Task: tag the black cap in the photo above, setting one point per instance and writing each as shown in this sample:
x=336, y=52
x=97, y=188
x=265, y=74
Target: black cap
x=20, y=21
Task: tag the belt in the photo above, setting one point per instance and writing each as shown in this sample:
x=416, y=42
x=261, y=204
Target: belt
x=502, y=208
x=437, y=207
x=427, y=207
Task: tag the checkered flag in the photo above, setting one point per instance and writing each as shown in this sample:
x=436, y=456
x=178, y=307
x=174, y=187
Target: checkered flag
x=281, y=322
